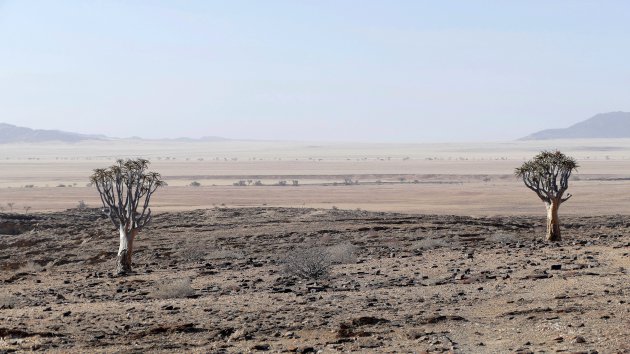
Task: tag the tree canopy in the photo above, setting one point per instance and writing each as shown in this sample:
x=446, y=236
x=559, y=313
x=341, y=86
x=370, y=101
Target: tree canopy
x=125, y=189
x=548, y=174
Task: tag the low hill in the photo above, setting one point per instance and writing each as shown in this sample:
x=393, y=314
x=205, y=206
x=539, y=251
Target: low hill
x=13, y=134
x=602, y=126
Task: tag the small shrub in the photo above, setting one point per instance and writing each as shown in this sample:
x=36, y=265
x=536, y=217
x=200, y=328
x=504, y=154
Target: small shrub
x=195, y=184
x=174, y=288
x=343, y=253
x=308, y=263
x=82, y=205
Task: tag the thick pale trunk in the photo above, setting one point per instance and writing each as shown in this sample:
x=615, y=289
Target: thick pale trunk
x=125, y=250
x=553, y=223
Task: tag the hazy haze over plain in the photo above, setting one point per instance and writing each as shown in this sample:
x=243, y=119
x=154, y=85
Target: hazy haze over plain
x=386, y=71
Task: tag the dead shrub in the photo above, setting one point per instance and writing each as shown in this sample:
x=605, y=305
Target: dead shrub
x=343, y=253
x=174, y=288
x=308, y=262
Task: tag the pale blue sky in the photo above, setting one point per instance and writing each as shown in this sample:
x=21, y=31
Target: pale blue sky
x=408, y=71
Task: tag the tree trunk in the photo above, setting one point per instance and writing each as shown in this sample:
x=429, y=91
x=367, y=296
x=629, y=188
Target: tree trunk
x=125, y=250
x=553, y=223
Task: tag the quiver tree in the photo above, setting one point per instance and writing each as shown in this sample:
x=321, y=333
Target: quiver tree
x=547, y=174
x=126, y=189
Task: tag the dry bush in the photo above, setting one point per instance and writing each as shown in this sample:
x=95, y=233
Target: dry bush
x=343, y=253
x=174, y=288
x=308, y=262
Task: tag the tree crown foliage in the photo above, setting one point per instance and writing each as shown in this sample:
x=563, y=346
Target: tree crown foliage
x=125, y=189
x=548, y=174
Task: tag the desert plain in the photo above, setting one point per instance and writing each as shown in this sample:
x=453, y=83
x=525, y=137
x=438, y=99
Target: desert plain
x=436, y=248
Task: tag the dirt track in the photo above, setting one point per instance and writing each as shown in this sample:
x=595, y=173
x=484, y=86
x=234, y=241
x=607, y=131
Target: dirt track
x=418, y=283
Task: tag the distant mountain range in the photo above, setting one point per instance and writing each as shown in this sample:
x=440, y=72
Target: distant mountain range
x=13, y=134
x=602, y=126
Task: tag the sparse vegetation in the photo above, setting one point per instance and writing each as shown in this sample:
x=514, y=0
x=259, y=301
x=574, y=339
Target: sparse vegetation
x=343, y=253
x=349, y=181
x=308, y=262
x=82, y=205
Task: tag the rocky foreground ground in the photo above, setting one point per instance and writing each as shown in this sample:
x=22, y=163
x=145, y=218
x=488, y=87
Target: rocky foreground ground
x=218, y=281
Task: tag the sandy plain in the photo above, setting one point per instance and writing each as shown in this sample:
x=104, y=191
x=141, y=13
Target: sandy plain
x=463, y=179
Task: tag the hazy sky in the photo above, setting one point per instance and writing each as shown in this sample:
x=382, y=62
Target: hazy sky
x=409, y=71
